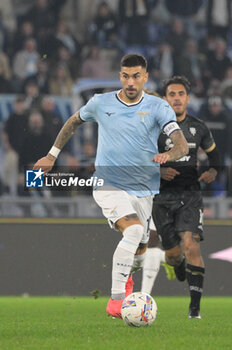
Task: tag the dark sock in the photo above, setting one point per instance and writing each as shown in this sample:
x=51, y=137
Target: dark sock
x=180, y=271
x=195, y=278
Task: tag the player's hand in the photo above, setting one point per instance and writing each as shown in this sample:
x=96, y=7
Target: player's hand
x=45, y=164
x=161, y=158
x=208, y=177
x=168, y=174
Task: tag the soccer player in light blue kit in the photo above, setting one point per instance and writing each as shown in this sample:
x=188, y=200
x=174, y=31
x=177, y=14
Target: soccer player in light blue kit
x=129, y=124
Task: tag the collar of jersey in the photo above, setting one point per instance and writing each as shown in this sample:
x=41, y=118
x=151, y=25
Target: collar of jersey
x=182, y=121
x=129, y=104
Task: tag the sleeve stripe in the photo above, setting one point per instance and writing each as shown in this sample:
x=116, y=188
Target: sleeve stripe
x=81, y=118
x=210, y=148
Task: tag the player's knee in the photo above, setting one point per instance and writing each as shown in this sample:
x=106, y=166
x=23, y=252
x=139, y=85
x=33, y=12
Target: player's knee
x=174, y=260
x=192, y=250
x=191, y=246
x=126, y=221
x=154, y=240
x=132, y=236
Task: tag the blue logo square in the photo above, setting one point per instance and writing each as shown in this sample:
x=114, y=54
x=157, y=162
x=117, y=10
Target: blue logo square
x=34, y=178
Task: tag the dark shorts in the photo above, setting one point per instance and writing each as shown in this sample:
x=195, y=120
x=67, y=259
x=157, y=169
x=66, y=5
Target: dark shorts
x=177, y=212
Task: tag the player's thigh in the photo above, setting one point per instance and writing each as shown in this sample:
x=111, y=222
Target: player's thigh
x=163, y=213
x=189, y=217
x=115, y=203
x=143, y=208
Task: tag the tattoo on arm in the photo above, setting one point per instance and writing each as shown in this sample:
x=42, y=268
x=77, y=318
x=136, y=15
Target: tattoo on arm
x=180, y=147
x=68, y=130
x=131, y=217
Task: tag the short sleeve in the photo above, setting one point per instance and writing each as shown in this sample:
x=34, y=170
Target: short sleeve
x=207, y=140
x=89, y=111
x=167, y=118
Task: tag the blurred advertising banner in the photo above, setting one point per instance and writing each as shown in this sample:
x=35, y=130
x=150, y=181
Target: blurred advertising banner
x=74, y=257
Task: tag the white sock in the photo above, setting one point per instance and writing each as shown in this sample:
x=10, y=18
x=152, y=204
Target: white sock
x=138, y=262
x=151, y=266
x=122, y=264
x=162, y=256
x=123, y=259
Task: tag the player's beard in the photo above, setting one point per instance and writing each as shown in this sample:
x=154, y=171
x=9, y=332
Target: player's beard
x=179, y=111
x=132, y=97
x=179, y=114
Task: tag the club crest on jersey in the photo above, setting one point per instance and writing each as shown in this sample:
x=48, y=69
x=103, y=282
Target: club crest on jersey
x=143, y=115
x=169, y=144
x=192, y=131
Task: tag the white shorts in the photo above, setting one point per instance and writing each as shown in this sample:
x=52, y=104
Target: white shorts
x=116, y=203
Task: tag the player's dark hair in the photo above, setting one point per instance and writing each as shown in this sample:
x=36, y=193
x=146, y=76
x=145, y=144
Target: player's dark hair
x=153, y=93
x=177, y=79
x=133, y=60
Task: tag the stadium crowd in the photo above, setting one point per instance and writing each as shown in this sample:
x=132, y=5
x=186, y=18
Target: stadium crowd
x=41, y=55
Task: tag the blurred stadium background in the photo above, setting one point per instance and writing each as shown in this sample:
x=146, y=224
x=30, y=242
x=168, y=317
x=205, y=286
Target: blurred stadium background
x=54, y=55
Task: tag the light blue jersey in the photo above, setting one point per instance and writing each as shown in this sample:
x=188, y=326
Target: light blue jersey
x=127, y=140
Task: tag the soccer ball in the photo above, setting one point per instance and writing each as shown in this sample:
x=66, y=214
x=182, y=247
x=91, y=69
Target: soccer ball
x=139, y=310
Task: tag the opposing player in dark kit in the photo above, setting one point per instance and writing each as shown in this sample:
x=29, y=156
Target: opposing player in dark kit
x=178, y=208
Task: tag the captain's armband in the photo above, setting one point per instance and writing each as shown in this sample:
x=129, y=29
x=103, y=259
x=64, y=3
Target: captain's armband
x=170, y=127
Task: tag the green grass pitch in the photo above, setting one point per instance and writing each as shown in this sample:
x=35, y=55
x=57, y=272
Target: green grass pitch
x=80, y=323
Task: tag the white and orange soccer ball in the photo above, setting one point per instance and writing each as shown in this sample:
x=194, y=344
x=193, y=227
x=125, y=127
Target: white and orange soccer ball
x=139, y=310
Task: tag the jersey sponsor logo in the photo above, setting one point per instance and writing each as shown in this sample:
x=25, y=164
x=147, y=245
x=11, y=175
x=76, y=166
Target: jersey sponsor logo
x=193, y=131
x=169, y=144
x=170, y=127
x=109, y=113
x=143, y=115
x=183, y=159
x=191, y=144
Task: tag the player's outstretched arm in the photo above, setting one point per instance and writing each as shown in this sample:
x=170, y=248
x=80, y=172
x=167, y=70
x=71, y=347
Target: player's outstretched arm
x=179, y=149
x=46, y=163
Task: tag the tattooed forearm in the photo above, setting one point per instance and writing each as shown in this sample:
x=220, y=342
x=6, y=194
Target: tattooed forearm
x=68, y=130
x=180, y=147
x=131, y=217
